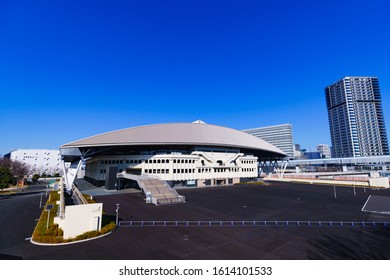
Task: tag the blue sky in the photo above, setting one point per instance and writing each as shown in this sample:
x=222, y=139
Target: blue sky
x=72, y=69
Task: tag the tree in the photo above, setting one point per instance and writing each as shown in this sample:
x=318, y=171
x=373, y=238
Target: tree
x=12, y=171
x=35, y=178
x=6, y=178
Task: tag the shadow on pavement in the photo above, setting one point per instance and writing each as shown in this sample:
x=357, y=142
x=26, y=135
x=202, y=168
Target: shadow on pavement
x=361, y=245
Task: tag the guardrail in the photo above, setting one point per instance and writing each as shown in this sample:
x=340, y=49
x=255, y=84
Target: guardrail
x=62, y=200
x=252, y=224
x=78, y=196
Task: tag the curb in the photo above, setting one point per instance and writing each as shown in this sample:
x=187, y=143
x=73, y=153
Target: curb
x=70, y=243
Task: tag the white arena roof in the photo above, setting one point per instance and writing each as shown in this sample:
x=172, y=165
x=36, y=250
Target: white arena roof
x=178, y=134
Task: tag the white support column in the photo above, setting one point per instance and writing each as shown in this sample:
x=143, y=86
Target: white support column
x=65, y=173
x=70, y=174
x=284, y=166
x=280, y=171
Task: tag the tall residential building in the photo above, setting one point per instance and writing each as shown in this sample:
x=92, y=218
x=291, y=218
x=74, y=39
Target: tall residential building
x=324, y=150
x=40, y=160
x=356, y=120
x=278, y=135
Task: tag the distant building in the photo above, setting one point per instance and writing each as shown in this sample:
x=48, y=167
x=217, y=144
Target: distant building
x=298, y=153
x=278, y=135
x=41, y=161
x=324, y=150
x=356, y=122
x=312, y=155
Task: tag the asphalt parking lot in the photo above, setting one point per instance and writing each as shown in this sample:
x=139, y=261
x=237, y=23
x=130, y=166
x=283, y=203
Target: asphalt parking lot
x=276, y=202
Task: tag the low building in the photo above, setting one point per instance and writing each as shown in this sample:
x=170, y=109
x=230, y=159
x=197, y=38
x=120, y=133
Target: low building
x=324, y=150
x=40, y=160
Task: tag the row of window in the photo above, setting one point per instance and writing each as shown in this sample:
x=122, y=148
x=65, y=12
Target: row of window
x=248, y=161
x=137, y=161
x=203, y=170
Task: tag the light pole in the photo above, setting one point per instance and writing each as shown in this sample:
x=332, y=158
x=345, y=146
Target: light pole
x=117, y=214
x=48, y=218
x=40, y=202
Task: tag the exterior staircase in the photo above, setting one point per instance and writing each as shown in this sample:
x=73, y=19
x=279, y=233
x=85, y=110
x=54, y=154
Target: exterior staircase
x=156, y=191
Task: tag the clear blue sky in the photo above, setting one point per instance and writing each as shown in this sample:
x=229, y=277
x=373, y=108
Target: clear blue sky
x=72, y=69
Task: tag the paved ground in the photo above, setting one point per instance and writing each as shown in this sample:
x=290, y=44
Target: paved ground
x=275, y=202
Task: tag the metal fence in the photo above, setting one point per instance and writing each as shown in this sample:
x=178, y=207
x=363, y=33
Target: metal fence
x=252, y=224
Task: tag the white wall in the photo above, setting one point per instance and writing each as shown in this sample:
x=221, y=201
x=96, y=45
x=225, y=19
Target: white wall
x=178, y=167
x=40, y=160
x=82, y=218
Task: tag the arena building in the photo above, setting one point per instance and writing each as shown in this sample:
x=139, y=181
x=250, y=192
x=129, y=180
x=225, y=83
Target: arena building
x=179, y=154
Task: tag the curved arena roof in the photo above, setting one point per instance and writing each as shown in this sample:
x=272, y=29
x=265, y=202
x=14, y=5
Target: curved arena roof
x=178, y=134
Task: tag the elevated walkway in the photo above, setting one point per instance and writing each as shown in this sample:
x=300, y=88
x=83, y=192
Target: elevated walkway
x=156, y=191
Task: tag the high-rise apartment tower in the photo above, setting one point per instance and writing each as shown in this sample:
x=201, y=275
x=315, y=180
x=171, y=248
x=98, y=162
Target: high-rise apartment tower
x=356, y=120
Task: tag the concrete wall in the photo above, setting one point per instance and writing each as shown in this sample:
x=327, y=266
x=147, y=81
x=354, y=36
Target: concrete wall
x=82, y=218
x=379, y=182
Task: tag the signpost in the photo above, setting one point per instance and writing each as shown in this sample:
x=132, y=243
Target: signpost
x=48, y=208
x=40, y=202
x=117, y=214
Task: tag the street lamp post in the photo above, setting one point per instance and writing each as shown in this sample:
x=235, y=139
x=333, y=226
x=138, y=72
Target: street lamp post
x=48, y=218
x=40, y=202
x=117, y=214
